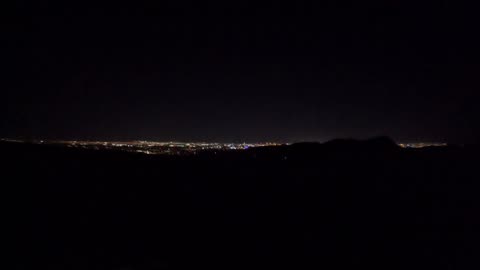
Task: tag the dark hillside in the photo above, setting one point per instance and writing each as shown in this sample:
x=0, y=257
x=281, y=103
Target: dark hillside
x=343, y=204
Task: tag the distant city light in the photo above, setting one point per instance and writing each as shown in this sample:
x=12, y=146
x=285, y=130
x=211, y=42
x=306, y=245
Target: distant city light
x=180, y=148
x=154, y=148
x=421, y=144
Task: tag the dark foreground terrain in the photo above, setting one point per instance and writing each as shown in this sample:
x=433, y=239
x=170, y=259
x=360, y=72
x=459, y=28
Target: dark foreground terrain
x=340, y=205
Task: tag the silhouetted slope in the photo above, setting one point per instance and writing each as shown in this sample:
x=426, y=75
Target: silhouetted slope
x=342, y=204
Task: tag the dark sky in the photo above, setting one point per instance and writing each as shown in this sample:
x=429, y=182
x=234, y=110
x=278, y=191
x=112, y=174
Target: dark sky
x=240, y=70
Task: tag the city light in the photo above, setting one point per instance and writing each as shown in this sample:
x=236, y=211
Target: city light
x=179, y=148
x=152, y=147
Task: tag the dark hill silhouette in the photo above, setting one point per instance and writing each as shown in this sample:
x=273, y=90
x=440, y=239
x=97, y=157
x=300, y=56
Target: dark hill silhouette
x=342, y=204
x=382, y=144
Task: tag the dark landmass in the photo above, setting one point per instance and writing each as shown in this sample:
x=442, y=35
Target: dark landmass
x=340, y=205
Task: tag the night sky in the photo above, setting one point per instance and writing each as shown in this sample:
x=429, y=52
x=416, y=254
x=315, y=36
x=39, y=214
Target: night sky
x=234, y=71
